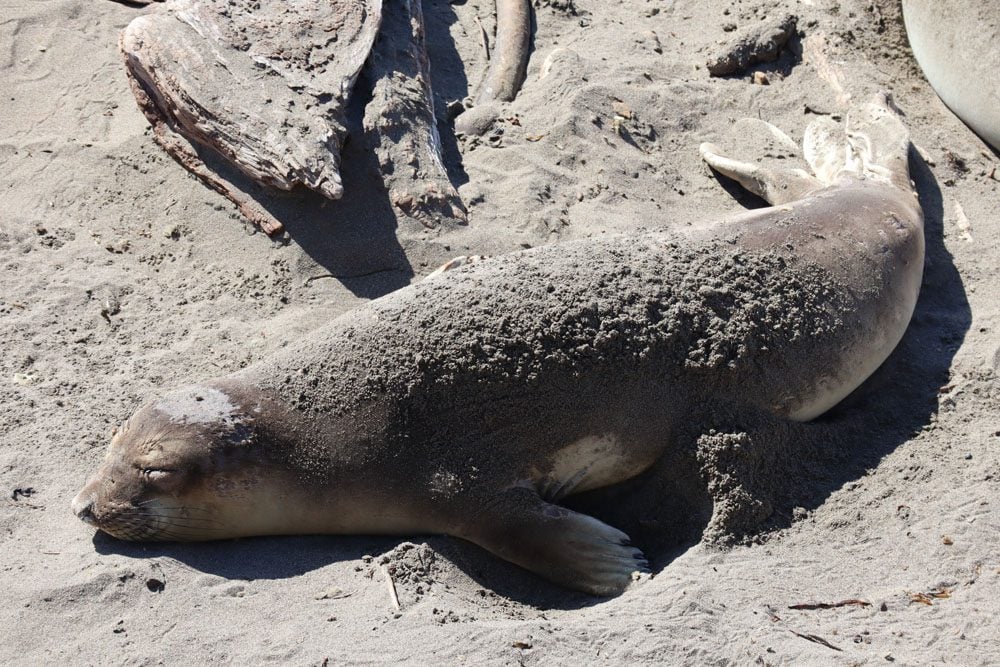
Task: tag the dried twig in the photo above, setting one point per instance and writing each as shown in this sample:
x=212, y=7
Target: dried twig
x=962, y=222
x=815, y=638
x=929, y=597
x=830, y=605
x=484, y=38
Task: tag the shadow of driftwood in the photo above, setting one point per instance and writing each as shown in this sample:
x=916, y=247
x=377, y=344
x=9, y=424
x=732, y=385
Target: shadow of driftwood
x=351, y=238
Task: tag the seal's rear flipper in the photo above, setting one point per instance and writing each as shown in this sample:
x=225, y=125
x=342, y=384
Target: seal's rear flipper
x=880, y=142
x=876, y=147
x=824, y=149
x=566, y=547
x=775, y=186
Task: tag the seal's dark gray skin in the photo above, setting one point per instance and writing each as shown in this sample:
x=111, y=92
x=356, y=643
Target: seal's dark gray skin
x=473, y=402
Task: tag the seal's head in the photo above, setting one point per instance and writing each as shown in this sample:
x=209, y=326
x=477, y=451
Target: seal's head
x=185, y=467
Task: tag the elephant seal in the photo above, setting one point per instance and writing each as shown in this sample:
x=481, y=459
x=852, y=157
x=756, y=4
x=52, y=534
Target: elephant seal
x=471, y=403
x=955, y=43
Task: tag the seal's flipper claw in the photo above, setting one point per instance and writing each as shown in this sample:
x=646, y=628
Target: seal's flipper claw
x=566, y=547
x=775, y=186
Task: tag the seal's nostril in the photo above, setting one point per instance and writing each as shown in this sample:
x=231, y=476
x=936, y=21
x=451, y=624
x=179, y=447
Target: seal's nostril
x=84, y=509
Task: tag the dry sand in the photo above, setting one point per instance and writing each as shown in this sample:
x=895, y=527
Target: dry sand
x=123, y=275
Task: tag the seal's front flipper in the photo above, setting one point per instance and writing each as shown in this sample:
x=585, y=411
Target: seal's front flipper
x=566, y=547
x=775, y=186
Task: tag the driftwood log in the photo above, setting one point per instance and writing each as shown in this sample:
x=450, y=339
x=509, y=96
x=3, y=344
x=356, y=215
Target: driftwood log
x=507, y=68
x=264, y=84
x=399, y=121
x=757, y=44
x=510, y=54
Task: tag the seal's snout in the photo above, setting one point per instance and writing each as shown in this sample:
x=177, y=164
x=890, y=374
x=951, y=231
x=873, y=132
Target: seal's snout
x=83, y=508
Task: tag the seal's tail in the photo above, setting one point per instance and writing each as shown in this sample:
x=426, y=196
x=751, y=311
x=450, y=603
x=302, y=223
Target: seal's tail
x=874, y=145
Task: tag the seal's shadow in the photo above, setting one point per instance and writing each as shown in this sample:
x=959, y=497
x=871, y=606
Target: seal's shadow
x=255, y=557
x=283, y=557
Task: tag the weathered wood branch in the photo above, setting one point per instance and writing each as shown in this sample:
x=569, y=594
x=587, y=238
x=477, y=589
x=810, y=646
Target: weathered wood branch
x=263, y=84
x=399, y=121
x=510, y=52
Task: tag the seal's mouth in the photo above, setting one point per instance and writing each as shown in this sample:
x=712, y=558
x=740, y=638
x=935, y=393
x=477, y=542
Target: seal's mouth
x=125, y=523
x=150, y=520
x=88, y=519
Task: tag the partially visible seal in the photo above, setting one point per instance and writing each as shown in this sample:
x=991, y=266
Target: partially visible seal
x=472, y=403
x=955, y=43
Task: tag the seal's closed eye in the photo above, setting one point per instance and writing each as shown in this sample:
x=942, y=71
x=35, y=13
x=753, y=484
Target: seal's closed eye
x=166, y=480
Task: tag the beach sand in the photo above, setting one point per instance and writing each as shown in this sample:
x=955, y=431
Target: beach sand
x=123, y=276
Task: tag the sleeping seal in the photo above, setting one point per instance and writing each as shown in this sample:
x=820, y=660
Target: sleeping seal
x=955, y=43
x=471, y=403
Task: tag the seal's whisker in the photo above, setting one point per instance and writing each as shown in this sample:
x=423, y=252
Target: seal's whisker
x=166, y=528
x=180, y=523
x=186, y=508
x=169, y=518
x=193, y=519
x=146, y=503
x=191, y=526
